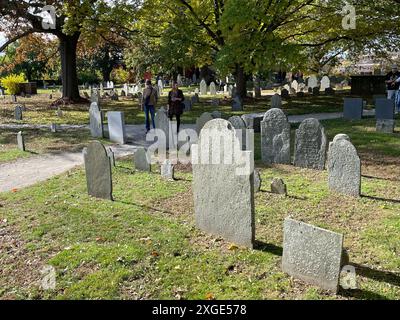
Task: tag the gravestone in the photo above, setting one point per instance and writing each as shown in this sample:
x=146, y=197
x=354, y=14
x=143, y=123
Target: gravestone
x=167, y=170
x=223, y=194
x=215, y=102
x=295, y=86
x=378, y=96
x=162, y=123
x=344, y=167
x=312, y=254
x=188, y=105
x=203, y=87
x=18, y=113
x=195, y=98
x=216, y=114
x=213, y=89
x=276, y=101
x=329, y=91
x=353, y=108
x=285, y=93
x=141, y=160
x=96, y=121
x=116, y=127
x=384, y=109
x=202, y=120
x=310, y=145
x=325, y=83
x=240, y=127
x=21, y=141
x=275, y=137
x=315, y=91
x=98, y=171
x=278, y=186
x=257, y=181
x=385, y=126
x=237, y=104
x=111, y=156
x=312, y=82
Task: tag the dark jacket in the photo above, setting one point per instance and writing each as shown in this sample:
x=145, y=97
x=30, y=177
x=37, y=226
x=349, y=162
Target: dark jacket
x=176, y=107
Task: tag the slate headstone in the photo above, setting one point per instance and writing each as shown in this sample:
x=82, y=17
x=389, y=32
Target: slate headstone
x=237, y=104
x=353, y=108
x=96, y=121
x=98, y=171
x=310, y=145
x=162, y=123
x=384, y=109
x=216, y=114
x=116, y=127
x=141, y=160
x=202, y=120
x=344, y=167
x=276, y=101
x=111, y=156
x=285, y=93
x=167, y=170
x=316, y=91
x=18, y=113
x=278, y=186
x=257, y=181
x=240, y=127
x=312, y=254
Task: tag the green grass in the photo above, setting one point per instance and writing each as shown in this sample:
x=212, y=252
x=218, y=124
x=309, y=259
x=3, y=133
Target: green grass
x=145, y=245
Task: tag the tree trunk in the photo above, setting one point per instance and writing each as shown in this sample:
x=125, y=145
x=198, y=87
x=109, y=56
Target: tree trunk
x=240, y=78
x=69, y=75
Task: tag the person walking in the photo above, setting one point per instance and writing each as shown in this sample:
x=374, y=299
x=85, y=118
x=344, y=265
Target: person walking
x=175, y=104
x=392, y=84
x=149, y=102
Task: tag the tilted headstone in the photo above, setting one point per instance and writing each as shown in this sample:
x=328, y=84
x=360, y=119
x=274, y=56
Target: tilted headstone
x=223, y=194
x=116, y=127
x=213, y=89
x=111, y=156
x=21, y=141
x=344, y=167
x=384, y=109
x=141, y=160
x=276, y=101
x=353, y=108
x=237, y=104
x=18, y=113
x=240, y=127
x=202, y=120
x=167, y=170
x=203, y=87
x=325, y=83
x=96, y=121
x=312, y=254
x=98, y=171
x=310, y=145
x=278, y=186
x=275, y=137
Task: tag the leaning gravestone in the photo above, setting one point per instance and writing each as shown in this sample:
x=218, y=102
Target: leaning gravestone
x=276, y=101
x=203, y=87
x=237, y=104
x=344, y=167
x=278, y=186
x=116, y=127
x=167, y=170
x=353, y=108
x=240, y=127
x=96, y=121
x=257, y=181
x=213, y=89
x=223, y=191
x=312, y=254
x=142, y=161
x=111, y=156
x=202, y=120
x=21, y=141
x=275, y=137
x=18, y=113
x=98, y=171
x=310, y=145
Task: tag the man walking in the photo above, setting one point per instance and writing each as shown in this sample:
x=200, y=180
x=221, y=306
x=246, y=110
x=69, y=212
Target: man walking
x=149, y=101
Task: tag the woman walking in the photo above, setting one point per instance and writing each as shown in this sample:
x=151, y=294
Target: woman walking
x=175, y=103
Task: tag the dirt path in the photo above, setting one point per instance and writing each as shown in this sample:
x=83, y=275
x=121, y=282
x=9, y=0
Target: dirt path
x=26, y=172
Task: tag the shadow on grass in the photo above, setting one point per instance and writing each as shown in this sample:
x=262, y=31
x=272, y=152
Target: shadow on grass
x=378, y=275
x=142, y=206
x=361, y=294
x=380, y=199
x=268, y=247
x=379, y=178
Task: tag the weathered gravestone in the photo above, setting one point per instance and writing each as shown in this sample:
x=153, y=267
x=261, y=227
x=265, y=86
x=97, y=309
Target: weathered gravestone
x=116, y=127
x=216, y=114
x=18, y=113
x=162, y=123
x=384, y=109
x=276, y=101
x=237, y=104
x=98, y=171
x=325, y=83
x=278, y=186
x=213, y=89
x=188, y=105
x=312, y=254
x=142, y=161
x=203, y=87
x=344, y=167
x=312, y=82
x=111, y=156
x=202, y=120
x=96, y=121
x=385, y=126
x=275, y=137
x=223, y=189
x=240, y=128
x=353, y=108
x=257, y=181
x=21, y=141
x=310, y=145
x=295, y=85
x=167, y=170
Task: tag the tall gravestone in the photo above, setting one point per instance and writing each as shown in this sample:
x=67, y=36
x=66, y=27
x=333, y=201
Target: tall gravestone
x=21, y=141
x=18, y=113
x=312, y=82
x=223, y=196
x=344, y=167
x=276, y=101
x=162, y=123
x=353, y=108
x=142, y=161
x=325, y=83
x=213, y=89
x=275, y=137
x=98, y=171
x=240, y=127
x=312, y=254
x=96, y=121
x=203, y=87
x=310, y=145
x=384, y=113
x=116, y=127
x=202, y=120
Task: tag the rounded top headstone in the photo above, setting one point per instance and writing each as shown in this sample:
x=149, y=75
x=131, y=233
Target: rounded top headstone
x=341, y=136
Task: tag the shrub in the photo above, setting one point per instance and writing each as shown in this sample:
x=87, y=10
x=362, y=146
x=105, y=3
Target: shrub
x=120, y=75
x=12, y=81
